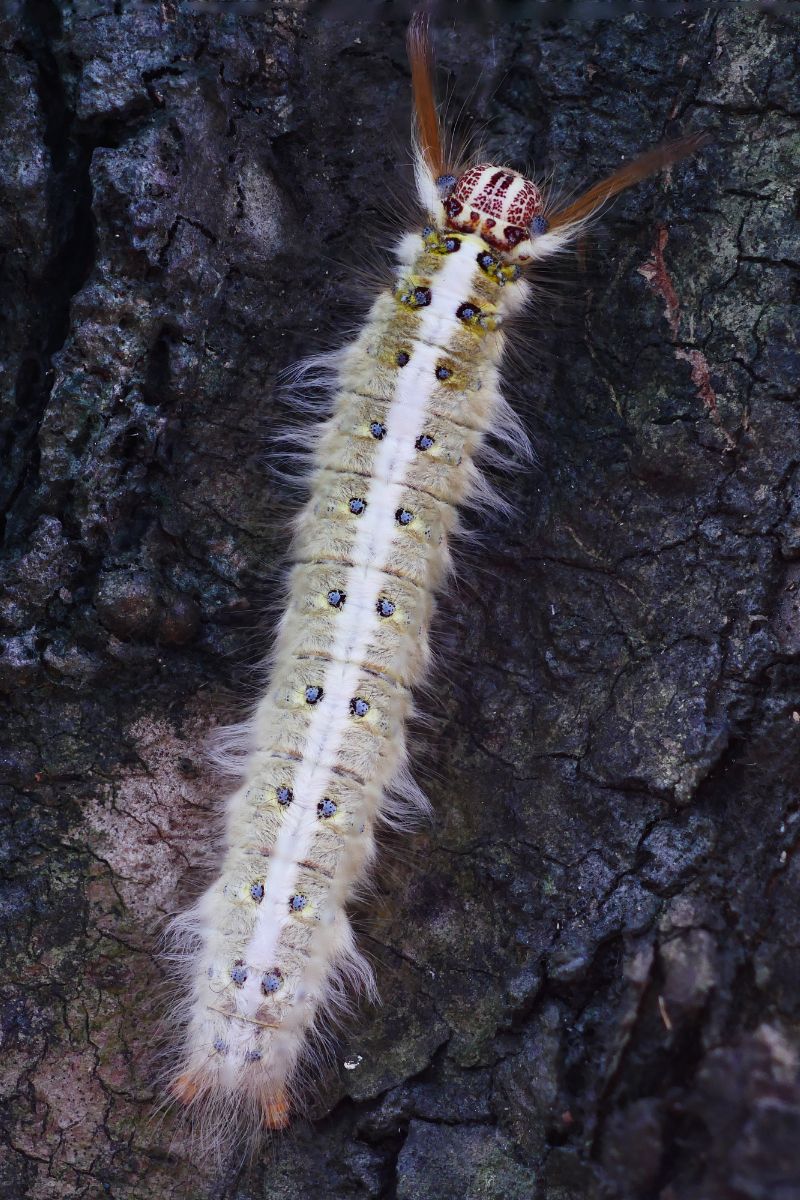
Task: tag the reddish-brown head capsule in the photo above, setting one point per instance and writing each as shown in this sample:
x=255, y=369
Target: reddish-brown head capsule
x=496, y=203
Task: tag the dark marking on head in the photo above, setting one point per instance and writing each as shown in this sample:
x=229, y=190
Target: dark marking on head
x=314, y=694
x=403, y=516
x=284, y=796
x=271, y=981
x=239, y=973
x=385, y=607
x=326, y=808
x=298, y=902
x=336, y=598
x=257, y=892
x=357, y=506
x=424, y=442
x=378, y=430
x=514, y=235
x=453, y=207
x=359, y=707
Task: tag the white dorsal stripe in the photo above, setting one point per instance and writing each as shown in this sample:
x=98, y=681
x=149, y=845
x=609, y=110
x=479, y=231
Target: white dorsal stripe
x=356, y=623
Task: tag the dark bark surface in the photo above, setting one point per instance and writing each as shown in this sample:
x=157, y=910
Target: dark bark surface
x=590, y=964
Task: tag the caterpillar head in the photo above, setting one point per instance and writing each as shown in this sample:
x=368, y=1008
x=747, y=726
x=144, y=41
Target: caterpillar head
x=496, y=203
x=499, y=205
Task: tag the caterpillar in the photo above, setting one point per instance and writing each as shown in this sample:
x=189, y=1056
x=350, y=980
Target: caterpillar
x=267, y=953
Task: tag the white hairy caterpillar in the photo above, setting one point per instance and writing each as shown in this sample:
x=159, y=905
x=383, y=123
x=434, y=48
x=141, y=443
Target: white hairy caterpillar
x=268, y=952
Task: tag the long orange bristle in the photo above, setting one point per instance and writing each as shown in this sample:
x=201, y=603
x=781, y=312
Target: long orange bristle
x=276, y=1112
x=420, y=56
x=184, y=1088
x=647, y=164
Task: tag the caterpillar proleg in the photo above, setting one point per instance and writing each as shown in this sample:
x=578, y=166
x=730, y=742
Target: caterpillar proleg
x=267, y=952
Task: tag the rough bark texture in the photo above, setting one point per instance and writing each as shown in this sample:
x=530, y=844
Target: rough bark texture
x=590, y=965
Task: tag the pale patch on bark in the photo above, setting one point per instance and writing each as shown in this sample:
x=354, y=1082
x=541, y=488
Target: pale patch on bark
x=153, y=821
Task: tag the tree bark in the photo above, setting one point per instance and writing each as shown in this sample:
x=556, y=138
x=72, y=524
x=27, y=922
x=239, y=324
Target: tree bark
x=589, y=964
